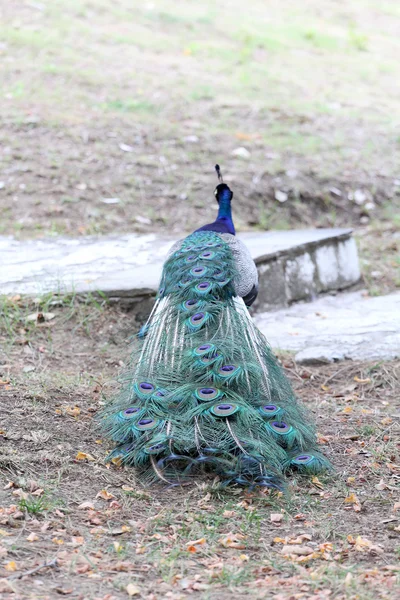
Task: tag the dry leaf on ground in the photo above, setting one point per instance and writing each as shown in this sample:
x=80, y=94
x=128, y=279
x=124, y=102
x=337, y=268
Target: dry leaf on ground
x=276, y=517
x=105, y=495
x=83, y=456
x=132, y=590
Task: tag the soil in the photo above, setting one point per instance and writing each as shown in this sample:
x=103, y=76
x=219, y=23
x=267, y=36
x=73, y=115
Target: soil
x=58, y=181
x=199, y=540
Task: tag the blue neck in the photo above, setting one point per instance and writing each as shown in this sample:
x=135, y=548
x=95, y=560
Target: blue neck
x=225, y=213
x=223, y=223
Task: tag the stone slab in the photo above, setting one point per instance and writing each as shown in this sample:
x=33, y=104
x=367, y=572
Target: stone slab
x=292, y=265
x=347, y=326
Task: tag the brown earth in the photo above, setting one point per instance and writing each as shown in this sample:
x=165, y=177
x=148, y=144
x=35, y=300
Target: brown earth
x=198, y=541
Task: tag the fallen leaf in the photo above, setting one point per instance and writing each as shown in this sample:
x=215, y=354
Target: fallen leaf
x=396, y=506
x=358, y=380
x=276, y=517
x=352, y=499
x=77, y=540
x=247, y=136
x=348, y=579
x=4, y=533
x=132, y=590
x=32, y=537
x=73, y=411
x=64, y=591
x=205, y=499
x=11, y=566
x=120, y=530
x=20, y=494
x=128, y=488
x=58, y=541
x=392, y=467
x=86, y=506
x=297, y=550
x=364, y=545
x=317, y=482
x=199, y=542
x=381, y=485
x=300, y=517
x=301, y=538
x=105, y=495
x=232, y=540
x=40, y=317
x=83, y=456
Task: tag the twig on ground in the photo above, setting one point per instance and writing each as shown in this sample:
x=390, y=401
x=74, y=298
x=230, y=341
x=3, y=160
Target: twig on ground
x=336, y=373
x=52, y=563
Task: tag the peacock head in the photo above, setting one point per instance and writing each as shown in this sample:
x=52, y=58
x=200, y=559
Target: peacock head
x=222, y=191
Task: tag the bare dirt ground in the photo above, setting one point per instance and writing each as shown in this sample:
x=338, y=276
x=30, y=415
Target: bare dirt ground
x=106, y=537
x=112, y=117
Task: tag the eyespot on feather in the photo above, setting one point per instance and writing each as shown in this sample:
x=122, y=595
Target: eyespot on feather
x=198, y=271
x=146, y=423
x=269, y=410
x=130, y=412
x=279, y=427
x=197, y=320
x=155, y=448
x=207, y=394
x=207, y=255
x=227, y=371
x=203, y=287
x=160, y=393
x=144, y=388
x=203, y=349
x=224, y=409
x=190, y=304
x=302, y=459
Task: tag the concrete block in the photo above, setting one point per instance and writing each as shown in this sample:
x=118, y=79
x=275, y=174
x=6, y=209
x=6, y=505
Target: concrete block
x=293, y=265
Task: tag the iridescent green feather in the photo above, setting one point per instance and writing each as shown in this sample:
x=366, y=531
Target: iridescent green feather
x=204, y=390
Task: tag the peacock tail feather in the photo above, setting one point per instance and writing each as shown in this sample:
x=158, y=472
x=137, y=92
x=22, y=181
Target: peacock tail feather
x=205, y=390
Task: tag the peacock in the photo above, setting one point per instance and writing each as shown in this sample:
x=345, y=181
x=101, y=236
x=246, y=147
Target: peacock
x=204, y=392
